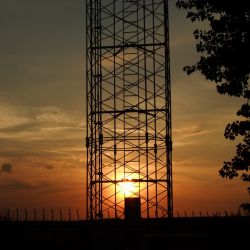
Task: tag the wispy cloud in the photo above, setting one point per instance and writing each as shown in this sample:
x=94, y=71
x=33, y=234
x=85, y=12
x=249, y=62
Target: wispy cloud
x=41, y=131
x=20, y=185
x=191, y=130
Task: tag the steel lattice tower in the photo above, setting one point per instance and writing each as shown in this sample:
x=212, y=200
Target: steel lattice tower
x=128, y=107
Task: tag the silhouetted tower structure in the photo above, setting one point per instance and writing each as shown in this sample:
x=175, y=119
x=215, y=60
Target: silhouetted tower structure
x=128, y=100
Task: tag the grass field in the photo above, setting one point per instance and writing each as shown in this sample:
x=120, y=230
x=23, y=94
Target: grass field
x=170, y=234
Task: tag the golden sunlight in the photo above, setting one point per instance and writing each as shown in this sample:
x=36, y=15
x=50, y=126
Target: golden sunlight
x=127, y=187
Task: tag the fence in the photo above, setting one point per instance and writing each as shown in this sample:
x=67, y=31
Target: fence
x=78, y=215
x=41, y=215
x=225, y=213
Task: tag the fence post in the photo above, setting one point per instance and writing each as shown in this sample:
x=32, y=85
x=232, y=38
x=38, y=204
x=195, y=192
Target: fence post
x=239, y=212
x=43, y=214
x=17, y=215
x=69, y=215
x=26, y=214
x=60, y=214
x=34, y=214
x=8, y=214
x=78, y=218
x=52, y=215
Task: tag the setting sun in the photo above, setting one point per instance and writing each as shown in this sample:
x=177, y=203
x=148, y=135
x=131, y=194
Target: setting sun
x=127, y=187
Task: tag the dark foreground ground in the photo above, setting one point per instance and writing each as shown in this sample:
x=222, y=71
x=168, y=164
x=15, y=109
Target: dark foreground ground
x=170, y=234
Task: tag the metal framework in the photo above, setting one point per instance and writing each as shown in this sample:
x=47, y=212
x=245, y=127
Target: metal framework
x=128, y=100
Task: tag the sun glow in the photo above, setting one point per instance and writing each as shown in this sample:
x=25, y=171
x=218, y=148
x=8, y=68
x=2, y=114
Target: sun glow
x=127, y=188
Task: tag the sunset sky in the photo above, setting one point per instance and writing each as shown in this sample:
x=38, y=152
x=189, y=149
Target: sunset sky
x=42, y=107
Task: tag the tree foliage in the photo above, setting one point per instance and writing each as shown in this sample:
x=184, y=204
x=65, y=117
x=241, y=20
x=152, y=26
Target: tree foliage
x=224, y=49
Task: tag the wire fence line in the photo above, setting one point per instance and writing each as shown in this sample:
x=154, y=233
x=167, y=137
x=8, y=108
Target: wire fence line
x=225, y=213
x=41, y=214
x=78, y=214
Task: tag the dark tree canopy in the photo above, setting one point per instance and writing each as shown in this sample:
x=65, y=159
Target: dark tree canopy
x=224, y=50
